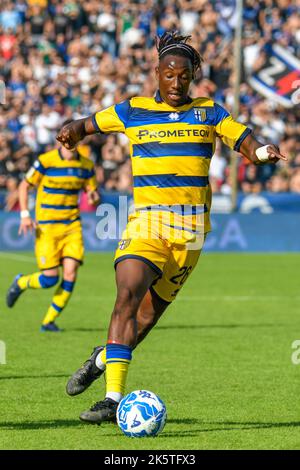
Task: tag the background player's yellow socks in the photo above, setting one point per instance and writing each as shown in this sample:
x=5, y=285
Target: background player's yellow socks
x=59, y=301
x=118, y=357
x=37, y=281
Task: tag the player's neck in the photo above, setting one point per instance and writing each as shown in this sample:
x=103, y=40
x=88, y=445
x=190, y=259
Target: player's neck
x=160, y=97
x=66, y=154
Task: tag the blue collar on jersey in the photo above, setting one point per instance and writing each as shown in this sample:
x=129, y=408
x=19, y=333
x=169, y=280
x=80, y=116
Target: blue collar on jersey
x=159, y=99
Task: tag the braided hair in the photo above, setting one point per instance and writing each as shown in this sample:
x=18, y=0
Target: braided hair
x=171, y=42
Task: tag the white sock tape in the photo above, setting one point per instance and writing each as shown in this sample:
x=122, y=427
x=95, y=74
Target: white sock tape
x=262, y=153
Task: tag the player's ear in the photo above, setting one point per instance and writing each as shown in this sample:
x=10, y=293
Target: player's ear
x=198, y=75
x=157, y=72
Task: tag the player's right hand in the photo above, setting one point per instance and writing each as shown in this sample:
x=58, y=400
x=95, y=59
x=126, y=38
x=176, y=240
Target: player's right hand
x=69, y=135
x=26, y=224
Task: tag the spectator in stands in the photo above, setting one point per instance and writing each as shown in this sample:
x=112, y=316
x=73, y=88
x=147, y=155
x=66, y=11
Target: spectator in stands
x=12, y=195
x=64, y=59
x=217, y=168
x=10, y=18
x=47, y=124
x=278, y=183
x=252, y=182
x=295, y=181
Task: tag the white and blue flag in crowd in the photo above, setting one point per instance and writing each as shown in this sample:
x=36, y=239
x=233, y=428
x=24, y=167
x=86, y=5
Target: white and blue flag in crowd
x=279, y=77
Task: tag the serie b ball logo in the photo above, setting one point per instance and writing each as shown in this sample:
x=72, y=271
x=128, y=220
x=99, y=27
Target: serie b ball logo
x=141, y=414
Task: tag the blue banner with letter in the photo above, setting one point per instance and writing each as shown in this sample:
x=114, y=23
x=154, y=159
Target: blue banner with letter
x=265, y=222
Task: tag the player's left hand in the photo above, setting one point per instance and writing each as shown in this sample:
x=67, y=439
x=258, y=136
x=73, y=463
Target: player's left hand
x=70, y=135
x=26, y=225
x=275, y=155
x=93, y=198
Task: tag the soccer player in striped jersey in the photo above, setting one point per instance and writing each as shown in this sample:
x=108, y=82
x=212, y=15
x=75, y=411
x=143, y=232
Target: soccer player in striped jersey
x=172, y=140
x=59, y=176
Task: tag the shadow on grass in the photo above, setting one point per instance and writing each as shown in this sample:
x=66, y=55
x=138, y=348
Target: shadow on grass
x=205, y=427
x=31, y=425
x=185, y=327
x=86, y=330
x=181, y=327
x=222, y=426
x=20, y=377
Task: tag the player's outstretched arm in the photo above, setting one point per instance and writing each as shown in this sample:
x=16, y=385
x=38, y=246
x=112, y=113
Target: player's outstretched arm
x=74, y=132
x=26, y=222
x=258, y=153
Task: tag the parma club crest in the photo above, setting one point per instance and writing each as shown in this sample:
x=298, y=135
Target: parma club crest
x=200, y=114
x=123, y=244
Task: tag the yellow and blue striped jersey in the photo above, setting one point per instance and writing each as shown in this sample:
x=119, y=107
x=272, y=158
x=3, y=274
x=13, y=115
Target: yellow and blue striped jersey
x=59, y=183
x=171, y=148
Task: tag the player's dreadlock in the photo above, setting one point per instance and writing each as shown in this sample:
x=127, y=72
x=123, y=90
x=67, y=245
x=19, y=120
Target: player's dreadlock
x=171, y=42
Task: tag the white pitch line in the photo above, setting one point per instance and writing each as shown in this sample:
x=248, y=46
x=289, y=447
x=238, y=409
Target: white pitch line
x=16, y=257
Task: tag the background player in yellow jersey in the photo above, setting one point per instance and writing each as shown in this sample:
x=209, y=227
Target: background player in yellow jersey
x=59, y=176
x=172, y=139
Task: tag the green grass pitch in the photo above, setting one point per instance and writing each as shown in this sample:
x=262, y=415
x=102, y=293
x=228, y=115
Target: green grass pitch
x=220, y=358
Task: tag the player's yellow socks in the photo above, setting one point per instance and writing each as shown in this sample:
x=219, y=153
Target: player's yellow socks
x=37, y=281
x=118, y=357
x=59, y=301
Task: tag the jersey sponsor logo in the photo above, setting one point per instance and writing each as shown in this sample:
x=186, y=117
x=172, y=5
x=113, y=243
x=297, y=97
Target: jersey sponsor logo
x=142, y=133
x=200, y=114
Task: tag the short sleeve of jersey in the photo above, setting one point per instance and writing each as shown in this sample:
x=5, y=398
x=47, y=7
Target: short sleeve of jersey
x=231, y=132
x=35, y=174
x=112, y=119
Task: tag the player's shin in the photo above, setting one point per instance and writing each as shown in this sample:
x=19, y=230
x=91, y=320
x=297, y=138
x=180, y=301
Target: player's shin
x=59, y=301
x=118, y=357
x=144, y=326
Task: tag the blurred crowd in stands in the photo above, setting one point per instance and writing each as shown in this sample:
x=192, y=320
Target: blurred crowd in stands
x=62, y=59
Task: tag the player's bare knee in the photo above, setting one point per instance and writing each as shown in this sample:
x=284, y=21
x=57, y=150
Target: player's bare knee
x=70, y=275
x=51, y=272
x=70, y=267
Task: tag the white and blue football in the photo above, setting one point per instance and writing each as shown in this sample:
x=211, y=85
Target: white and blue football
x=141, y=413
